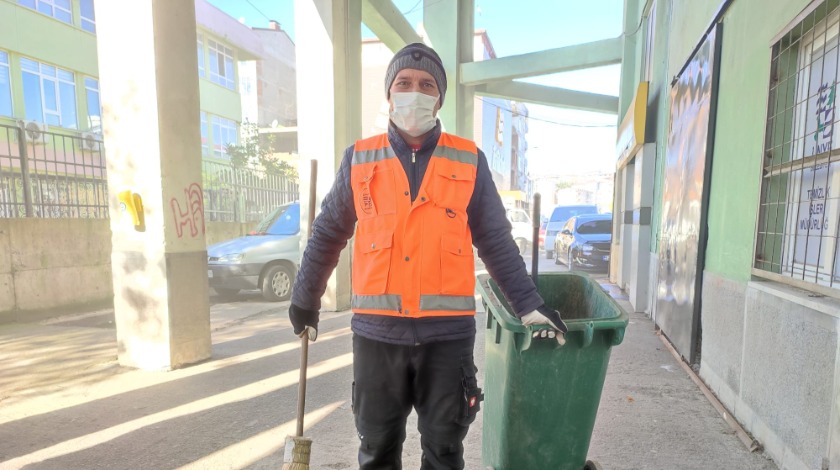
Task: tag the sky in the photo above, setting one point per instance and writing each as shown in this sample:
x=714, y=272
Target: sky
x=561, y=142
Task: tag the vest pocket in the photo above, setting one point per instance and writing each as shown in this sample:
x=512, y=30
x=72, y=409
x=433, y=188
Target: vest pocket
x=453, y=186
x=373, y=262
x=457, y=265
x=374, y=191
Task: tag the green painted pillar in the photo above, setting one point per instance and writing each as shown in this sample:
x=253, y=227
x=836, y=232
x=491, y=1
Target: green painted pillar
x=631, y=61
x=450, y=28
x=329, y=90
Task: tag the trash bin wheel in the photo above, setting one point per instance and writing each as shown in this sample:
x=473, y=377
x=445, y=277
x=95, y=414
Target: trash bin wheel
x=592, y=465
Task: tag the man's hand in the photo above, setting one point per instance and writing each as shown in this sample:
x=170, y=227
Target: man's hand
x=302, y=318
x=547, y=316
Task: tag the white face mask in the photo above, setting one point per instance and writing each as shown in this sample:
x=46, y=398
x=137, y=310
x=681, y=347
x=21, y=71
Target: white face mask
x=413, y=112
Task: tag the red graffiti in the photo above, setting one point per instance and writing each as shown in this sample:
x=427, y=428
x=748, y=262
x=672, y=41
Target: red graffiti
x=193, y=215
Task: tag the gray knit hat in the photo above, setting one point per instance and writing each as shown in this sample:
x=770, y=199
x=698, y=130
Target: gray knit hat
x=416, y=56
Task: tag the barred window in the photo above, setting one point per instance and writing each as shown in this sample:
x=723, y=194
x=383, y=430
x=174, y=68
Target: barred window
x=799, y=215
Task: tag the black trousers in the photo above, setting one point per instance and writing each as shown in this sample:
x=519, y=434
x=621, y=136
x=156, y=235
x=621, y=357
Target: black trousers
x=436, y=379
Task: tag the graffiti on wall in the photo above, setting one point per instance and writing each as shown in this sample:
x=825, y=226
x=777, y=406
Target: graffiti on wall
x=192, y=214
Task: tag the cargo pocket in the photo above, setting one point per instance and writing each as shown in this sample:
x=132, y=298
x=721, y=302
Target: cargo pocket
x=373, y=191
x=456, y=260
x=472, y=394
x=373, y=263
x=453, y=185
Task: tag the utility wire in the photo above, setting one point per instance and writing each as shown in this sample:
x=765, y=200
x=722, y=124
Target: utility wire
x=416, y=5
x=566, y=124
x=638, y=27
x=410, y=10
x=258, y=10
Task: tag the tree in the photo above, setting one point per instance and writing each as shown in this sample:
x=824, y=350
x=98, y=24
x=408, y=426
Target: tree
x=563, y=185
x=255, y=152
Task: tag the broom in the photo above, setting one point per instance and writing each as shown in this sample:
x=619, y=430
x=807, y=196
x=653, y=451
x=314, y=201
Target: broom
x=298, y=448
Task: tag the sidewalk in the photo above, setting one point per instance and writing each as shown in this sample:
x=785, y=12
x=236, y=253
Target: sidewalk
x=66, y=403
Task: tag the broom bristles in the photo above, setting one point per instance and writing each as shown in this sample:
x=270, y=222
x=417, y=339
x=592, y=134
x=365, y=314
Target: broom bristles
x=297, y=453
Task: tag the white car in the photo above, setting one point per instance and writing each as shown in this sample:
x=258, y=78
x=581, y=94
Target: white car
x=522, y=230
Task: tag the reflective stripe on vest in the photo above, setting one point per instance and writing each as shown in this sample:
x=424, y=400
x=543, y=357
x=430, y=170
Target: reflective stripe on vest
x=392, y=303
x=413, y=259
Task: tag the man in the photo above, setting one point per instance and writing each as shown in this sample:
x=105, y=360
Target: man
x=419, y=199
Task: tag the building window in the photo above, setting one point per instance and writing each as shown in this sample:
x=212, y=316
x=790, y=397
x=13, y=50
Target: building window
x=88, y=16
x=224, y=133
x=58, y=9
x=94, y=107
x=5, y=85
x=205, y=149
x=221, y=64
x=200, y=55
x=797, y=234
x=49, y=94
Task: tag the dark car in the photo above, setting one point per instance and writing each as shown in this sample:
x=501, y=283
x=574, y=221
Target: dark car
x=584, y=242
x=558, y=219
x=267, y=259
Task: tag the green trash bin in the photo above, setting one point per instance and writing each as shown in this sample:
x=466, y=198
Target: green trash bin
x=541, y=399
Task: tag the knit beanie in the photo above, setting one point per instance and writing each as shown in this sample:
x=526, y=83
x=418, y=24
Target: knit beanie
x=416, y=56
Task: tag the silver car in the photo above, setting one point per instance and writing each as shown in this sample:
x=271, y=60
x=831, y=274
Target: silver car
x=267, y=259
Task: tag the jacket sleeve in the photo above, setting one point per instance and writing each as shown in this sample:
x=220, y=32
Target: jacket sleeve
x=330, y=232
x=491, y=234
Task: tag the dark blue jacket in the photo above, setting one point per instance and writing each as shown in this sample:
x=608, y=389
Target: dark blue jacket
x=491, y=235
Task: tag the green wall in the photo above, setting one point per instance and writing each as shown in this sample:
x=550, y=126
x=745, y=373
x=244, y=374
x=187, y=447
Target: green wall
x=23, y=31
x=218, y=100
x=748, y=29
x=749, y=26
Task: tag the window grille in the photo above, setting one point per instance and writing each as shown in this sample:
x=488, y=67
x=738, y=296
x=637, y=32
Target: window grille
x=799, y=214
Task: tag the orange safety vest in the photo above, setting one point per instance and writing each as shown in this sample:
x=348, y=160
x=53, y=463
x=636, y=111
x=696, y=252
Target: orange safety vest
x=413, y=259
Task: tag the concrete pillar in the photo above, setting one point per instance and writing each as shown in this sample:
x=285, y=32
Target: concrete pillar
x=149, y=90
x=626, y=216
x=618, y=219
x=329, y=55
x=639, y=279
x=450, y=27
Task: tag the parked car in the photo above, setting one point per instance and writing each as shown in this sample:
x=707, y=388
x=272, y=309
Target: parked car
x=584, y=242
x=521, y=228
x=267, y=259
x=558, y=219
x=542, y=234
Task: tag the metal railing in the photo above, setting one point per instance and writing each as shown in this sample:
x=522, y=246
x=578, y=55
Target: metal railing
x=49, y=175
x=243, y=194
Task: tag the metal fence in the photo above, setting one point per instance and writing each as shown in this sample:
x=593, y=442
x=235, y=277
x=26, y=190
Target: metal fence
x=243, y=194
x=49, y=175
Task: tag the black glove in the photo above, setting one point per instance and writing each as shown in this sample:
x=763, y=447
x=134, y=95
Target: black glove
x=547, y=316
x=301, y=318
